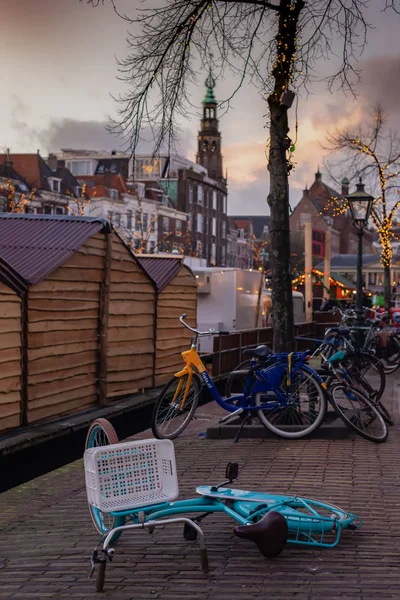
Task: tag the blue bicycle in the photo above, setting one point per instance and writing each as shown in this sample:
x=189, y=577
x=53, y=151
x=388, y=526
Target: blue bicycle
x=286, y=395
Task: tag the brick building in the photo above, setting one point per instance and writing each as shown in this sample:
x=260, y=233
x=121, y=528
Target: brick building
x=315, y=206
x=198, y=189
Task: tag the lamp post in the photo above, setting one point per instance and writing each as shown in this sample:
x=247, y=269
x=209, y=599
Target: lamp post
x=360, y=204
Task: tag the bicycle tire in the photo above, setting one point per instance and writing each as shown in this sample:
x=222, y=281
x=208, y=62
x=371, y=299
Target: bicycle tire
x=102, y=433
x=162, y=433
x=331, y=380
x=288, y=433
x=359, y=362
x=351, y=418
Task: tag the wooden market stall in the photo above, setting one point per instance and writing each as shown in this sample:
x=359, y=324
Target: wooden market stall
x=176, y=294
x=10, y=357
x=86, y=315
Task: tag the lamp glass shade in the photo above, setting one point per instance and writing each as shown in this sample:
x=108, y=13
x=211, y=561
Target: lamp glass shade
x=360, y=208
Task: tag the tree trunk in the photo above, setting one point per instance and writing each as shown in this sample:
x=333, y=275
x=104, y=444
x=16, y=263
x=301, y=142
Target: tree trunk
x=278, y=198
x=387, y=288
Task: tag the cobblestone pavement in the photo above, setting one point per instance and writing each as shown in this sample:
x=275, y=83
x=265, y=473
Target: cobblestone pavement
x=47, y=536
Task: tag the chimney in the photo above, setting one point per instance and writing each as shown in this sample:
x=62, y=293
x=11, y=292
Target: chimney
x=345, y=186
x=52, y=162
x=107, y=178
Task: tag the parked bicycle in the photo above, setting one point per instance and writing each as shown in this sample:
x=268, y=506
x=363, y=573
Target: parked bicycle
x=377, y=338
x=286, y=395
x=366, y=415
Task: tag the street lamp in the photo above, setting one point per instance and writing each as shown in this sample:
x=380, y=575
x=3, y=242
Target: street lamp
x=360, y=204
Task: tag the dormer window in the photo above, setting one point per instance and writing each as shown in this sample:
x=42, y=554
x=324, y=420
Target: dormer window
x=55, y=184
x=113, y=194
x=78, y=191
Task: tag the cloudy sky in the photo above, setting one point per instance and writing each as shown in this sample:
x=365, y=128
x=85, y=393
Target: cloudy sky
x=59, y=71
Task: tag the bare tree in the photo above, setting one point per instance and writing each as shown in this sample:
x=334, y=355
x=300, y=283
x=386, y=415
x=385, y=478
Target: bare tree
x=16, y=202
x=372, y=152
x=273, y=44
x=79, y=202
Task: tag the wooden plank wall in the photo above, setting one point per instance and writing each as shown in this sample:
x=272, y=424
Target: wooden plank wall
x=130, y=325
x=178, y=297
x=10, y=358
x=63, y=322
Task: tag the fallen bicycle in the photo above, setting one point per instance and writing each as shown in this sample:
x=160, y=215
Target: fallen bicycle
x=133, y=485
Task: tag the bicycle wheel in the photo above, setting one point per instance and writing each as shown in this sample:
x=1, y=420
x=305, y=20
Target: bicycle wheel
x=358, y=413
x=368, y=372
x=102, y=433
x=175, y=407
x=302, y=411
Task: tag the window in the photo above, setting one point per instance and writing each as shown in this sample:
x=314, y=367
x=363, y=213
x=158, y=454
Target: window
x=199, y=223
x=214, y=200
x=213, y=259
x=2, y=204
x=165, y=225
x=59, y=210
x=48, y=210
x=200, y=195
x=223, y=232
x=113, y=194
x=178, y=227
x=190, y=221
x=129, y=219
x=304, y=218
x=55, y=184
x=318, y=243
x=137, y=220
x=214, y=226
x=78, y=191
x=372, y=279
x=224, y=204
x=118, y=220
x=145, y=221
x=223, y=255
x=190, y=193
x=199, y=248
x=80, y=167
x=152, y=246
x=265, y=229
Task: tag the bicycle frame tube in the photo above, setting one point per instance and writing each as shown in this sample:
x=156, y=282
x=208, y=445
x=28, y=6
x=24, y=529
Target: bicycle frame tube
x=191, y=358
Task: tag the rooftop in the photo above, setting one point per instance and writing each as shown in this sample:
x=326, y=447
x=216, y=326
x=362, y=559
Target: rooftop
x=32, y=246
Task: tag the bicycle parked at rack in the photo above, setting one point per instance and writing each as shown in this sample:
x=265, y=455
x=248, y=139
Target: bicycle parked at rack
x=285, y=394
x=366, y=415
x=373, y=333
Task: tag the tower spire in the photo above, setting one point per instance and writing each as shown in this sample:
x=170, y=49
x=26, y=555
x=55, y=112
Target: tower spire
x=209, y=138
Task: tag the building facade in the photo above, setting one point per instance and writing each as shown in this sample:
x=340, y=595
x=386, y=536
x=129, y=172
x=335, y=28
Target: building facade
x=317, y=206
x=198, y=189
x=49, y=187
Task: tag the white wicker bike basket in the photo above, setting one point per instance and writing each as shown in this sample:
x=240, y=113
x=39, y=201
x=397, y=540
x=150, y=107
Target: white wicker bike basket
x=129, y=475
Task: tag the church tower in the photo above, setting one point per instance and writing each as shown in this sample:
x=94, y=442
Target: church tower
x=209, y=138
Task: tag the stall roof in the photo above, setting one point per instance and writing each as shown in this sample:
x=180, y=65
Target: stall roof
x=32, y=246
x=160, y=270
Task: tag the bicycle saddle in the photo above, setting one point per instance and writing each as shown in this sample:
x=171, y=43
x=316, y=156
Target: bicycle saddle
x=260, y=351
x=373, y=321
x=270, y=533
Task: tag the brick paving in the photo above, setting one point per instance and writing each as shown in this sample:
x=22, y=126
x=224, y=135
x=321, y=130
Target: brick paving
x=47, y=536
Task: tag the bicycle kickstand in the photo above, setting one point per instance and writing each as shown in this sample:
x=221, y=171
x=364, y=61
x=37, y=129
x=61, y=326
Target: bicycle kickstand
x=245, y=416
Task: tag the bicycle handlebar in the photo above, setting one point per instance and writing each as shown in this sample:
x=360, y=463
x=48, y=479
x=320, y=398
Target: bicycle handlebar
x=197, y=332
